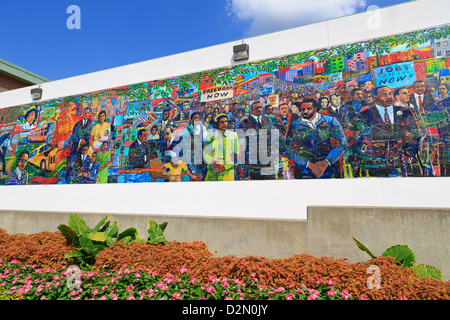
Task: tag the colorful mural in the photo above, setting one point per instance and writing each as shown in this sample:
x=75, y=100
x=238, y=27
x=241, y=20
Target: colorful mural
x=377, y=108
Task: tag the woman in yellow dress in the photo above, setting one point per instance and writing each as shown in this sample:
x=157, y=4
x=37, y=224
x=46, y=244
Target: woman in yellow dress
x=98, y=131
x=221, y=151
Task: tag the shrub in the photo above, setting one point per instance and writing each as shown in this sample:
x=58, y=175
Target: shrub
x=46, y=249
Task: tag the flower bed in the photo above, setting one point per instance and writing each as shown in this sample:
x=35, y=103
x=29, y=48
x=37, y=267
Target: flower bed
x=34, y=283
x=161, y=269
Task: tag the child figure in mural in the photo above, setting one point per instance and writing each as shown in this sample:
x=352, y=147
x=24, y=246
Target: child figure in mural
x=173, y=170
x=104, y=138
x=89, y=170
x=20, y=174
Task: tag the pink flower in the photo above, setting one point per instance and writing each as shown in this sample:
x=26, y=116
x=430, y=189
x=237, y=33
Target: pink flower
x=176, y=296
x=280, y=289
x=94, y=292
x=14, y=261
x=228, y=298
x=131, y=297
x=331, y=293
x=114, y=297
x=184, y=270
x=403, y=298
x=137, y=275
x=210, y=289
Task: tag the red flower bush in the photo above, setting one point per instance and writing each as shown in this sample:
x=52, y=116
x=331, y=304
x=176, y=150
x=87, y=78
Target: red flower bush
x=47, y=249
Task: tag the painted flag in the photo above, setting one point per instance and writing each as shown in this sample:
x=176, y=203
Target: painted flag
x=353, y=82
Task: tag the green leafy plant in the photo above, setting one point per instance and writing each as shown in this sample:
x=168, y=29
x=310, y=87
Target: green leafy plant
x=156, y=232
x=90, y=242
x=405, y=257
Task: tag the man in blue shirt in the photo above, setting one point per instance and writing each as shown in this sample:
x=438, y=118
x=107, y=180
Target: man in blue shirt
x=315, y=144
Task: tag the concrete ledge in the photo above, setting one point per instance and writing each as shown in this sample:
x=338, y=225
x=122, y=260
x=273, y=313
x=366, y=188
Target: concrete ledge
x=327, y=232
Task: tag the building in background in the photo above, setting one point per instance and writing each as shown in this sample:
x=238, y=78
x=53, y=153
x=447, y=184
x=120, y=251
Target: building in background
x=14, y=77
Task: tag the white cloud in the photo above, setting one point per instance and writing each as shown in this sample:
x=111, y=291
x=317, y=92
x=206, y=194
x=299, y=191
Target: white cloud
x=267, y=16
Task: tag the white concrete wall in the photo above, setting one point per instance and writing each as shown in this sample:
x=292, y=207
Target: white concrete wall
x=259, y=199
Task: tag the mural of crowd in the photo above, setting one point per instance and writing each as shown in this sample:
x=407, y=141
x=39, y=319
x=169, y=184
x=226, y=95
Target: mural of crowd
x=378, y=108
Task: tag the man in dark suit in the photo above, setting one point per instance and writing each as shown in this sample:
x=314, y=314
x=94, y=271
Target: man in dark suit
x=284, y=120
x=391, y=136
x=419, y=99
x=140, y=151
x=251, y=127
x=81, y=132
x=80, y=136
x=170, y=145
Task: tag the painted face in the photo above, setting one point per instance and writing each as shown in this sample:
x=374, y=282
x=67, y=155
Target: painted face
x=384, y=97
x=144, y=136
x=336, y=100
x=22, y=163
x=104, y=146
x=442, y=90
x=324, y=103
x=257, y=109
x=419, y=87
x=31, y=117
x=284, y=110
x=165, y=115
x=154, y=130
x=368, y=85
x=94, y=156
x=85, y=150
x=358, y=96
x=196, y=117
x=102, y=117
x=269, y=110
x=86, y=114
x=403, y=96
x=308, y=111
x=167, y=134
x=223, y=124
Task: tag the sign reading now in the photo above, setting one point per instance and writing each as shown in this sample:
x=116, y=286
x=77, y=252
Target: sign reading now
x=395, y=75
x=216, y=93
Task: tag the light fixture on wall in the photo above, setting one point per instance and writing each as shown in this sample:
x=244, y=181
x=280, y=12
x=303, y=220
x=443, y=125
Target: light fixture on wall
x=36, y=93
x=240, y=52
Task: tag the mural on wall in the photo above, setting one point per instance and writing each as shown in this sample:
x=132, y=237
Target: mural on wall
x=378, y=108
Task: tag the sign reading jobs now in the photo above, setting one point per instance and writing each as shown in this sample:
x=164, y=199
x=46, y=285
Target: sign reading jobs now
x=216, y=93
x=395, y=75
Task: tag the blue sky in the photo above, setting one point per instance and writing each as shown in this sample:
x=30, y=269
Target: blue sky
x=116, y=33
